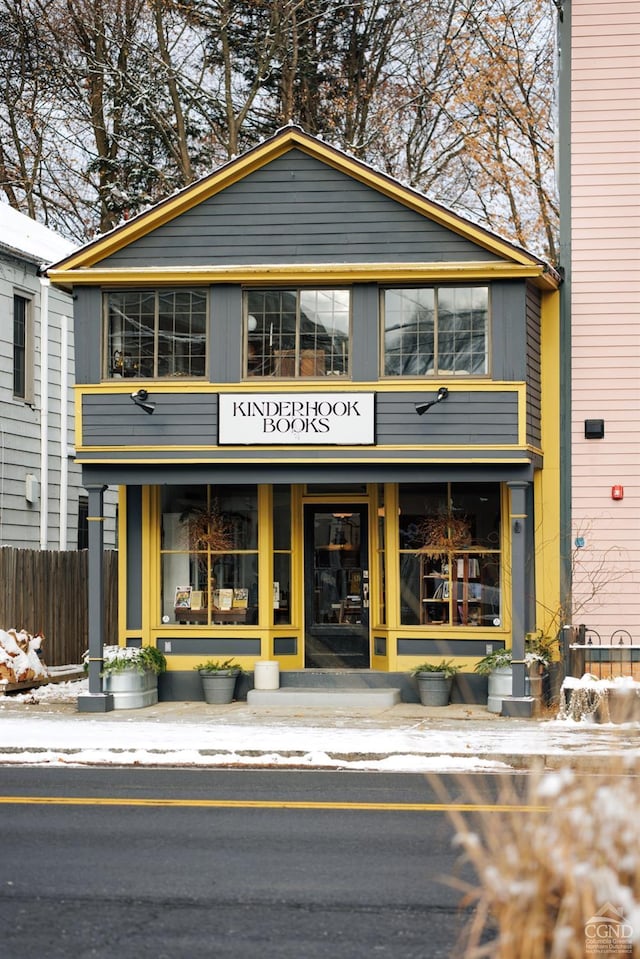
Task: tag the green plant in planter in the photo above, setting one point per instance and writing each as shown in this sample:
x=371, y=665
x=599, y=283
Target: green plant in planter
x=536, y=651
x=120, y=659
x=435, y=681
x=498, y=659
x=218, y=678
x=446, y=666
x=219, y=666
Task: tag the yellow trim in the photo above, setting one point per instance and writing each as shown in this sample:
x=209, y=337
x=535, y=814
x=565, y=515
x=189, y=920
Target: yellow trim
x=77, y=426
x=258, y=386
x=265, y=563
x=280, y=144
x=162, y=802
x=122, y=564
x=392, y=568
x=297, y=571
x=279, y=273
x=547, y=481
x=222, y=450
x=151, y=559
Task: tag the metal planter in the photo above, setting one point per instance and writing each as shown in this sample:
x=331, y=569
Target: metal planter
x=132, y=689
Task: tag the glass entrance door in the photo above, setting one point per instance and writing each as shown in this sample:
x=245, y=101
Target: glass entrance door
x=336, y=576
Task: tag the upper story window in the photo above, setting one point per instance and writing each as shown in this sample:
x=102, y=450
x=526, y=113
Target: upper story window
x=22, y=349
x=436, y=331
x=297, y=333
x=153, y=333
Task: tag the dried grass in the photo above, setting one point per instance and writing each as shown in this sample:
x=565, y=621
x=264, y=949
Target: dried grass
x=550, y=862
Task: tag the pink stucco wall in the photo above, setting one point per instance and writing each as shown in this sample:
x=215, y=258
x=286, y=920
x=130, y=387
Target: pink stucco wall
x=605, y=310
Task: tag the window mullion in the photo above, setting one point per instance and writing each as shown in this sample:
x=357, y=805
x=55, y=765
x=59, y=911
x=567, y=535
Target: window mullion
x=436, y=327
x=297, y=350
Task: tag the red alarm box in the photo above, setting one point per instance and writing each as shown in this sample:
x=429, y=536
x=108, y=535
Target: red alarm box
x=617, y=492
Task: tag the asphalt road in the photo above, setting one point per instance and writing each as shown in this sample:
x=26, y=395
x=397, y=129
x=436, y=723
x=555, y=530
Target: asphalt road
x=175, y=864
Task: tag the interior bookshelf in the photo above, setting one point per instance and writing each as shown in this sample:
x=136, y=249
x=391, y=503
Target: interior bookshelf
x=450, y=590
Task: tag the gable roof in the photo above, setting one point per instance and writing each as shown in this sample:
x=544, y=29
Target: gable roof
x=83, y=265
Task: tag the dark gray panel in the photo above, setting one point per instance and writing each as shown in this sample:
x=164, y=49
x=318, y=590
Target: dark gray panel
x=380, y=645
x=178, y=419
x=508, y=340
x=134, y=558
x=225, y=337
x=87, y=323
x=285, y=645
x=447, y=647
x=534, y=372
x=219, y=648
x=463, y=418
x=368, y=472
x=295, y=209
x=365, y=337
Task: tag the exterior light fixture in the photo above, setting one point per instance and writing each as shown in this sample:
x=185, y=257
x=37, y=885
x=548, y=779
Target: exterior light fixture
x=421, y=408
x=140, y=398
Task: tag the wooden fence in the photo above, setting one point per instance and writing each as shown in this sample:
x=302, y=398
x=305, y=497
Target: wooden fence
x=46, y=592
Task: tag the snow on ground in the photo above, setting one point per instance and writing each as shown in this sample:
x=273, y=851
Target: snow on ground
x=43, y=727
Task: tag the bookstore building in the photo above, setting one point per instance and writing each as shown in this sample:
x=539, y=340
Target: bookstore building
x=331, y=408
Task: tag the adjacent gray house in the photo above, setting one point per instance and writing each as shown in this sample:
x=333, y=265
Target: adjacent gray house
x=42, y=503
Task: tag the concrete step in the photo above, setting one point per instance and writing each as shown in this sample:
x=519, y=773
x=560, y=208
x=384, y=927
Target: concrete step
x=332, y=696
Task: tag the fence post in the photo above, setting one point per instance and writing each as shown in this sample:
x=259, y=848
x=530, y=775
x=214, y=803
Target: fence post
x=97, y=701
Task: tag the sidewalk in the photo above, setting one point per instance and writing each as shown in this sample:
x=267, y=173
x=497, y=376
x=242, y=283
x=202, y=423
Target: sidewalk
x=47, y=729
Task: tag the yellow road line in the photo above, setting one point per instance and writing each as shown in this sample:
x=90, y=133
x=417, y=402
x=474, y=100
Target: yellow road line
x=263, y=804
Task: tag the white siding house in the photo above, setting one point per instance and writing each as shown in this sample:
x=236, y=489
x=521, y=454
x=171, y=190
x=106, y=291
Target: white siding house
x=42, y=503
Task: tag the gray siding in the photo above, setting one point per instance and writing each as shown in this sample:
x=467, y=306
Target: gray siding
x=297, y=209
x=365, y=332
x=534, y=384
x=486, y=419
x=88, y=336
x=179, y=420
x=225, y=335
x=20, y=423
x=482, y=418
x=508, y=359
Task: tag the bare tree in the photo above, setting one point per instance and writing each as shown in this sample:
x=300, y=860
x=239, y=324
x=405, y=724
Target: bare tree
x=108, y=105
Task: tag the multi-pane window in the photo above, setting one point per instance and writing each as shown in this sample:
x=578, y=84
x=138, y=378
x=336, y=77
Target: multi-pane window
x=450, y=567
x=22, y=346
x=152, y=333
x=297, y=333
x=210, y=555
x=436, y=331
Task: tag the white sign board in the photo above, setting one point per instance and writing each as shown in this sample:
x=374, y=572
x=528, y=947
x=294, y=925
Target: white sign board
x=304, y=418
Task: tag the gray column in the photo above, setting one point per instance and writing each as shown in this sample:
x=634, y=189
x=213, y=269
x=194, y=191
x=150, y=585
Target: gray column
x=518, y=523
x=96, y=701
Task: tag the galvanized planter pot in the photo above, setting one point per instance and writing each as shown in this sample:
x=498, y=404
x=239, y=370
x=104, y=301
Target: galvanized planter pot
x=132, y=689
x=218, y=687
x=434, y=689
x=500, y=685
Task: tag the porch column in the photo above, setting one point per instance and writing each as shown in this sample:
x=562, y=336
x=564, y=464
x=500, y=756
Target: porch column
x=517, y=704
x=96, y=701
